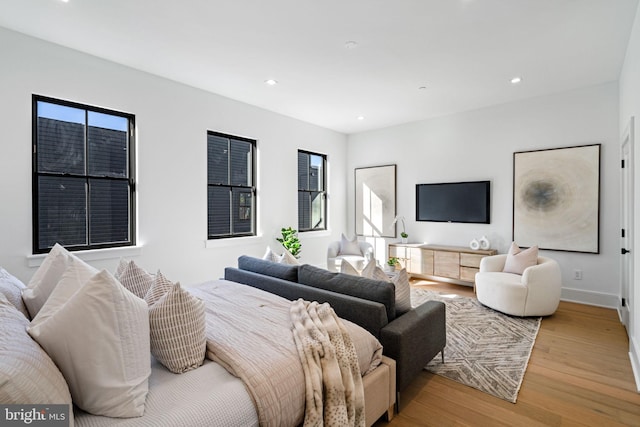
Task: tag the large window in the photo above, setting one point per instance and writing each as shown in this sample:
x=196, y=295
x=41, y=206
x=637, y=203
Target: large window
x=231, y=189
x=312, y=210
x=83, y=189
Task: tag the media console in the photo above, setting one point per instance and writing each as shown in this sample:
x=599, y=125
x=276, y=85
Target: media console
x=454, y=264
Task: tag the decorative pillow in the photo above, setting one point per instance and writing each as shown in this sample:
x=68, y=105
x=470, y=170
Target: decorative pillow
x=400, y=281
x=99, y=339
x=27, y=373
x=288, y=259
x=349, y=247
x=269, y=255
x=519, y=260
x=137, y=280
x=11, y=287
x=177, y=324
x=74, y=277
x=347, y=268
x=45, y=279
x=369, y=269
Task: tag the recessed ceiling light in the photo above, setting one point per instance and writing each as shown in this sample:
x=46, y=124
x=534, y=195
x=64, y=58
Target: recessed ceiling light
x=271, y=82
x=422, y=87
x=351, y=44
x=516, y=80
x=360, y=117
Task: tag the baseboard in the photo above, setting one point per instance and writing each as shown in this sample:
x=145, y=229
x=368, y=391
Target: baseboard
x=634, y=353
x=599, y=299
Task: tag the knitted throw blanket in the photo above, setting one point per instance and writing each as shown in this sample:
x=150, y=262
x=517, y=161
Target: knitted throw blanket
x=334, y=392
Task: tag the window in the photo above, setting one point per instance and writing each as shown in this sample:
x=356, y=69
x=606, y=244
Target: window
x=231, y=190
x=312, y=208
x=83, y=188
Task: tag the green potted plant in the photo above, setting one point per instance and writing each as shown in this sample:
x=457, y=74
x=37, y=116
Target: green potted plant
x=392, y=263
x=290, y=241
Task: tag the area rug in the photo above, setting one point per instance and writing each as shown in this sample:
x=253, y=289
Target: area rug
x=486, y=350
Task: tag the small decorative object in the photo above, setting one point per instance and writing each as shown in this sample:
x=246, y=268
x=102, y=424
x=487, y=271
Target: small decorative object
x=484, y=243
x=392, y=263
x=403, y=234
x=290, y=241
x=474, y=244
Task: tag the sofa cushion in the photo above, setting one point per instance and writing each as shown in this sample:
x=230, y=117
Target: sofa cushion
x=349, y=246
x=268, y=268
x=177, y=324
x=360, y=287
x=99, y=338
x=11, y=287
x=519, y=260
x=136, y=279
x=400, y=282
x=27, y=373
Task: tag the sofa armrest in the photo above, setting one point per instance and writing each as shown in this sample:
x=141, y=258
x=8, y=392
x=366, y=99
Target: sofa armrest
x=413, y=339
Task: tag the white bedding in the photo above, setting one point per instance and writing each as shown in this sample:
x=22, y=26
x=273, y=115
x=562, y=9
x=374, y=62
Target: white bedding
x=205, y=397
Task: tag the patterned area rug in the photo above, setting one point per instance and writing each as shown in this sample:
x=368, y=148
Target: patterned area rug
x=486, y=350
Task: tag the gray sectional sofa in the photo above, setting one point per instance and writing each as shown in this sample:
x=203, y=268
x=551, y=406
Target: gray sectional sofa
x=412, y=338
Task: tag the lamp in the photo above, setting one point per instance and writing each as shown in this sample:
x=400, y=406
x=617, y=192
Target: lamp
x=403, y=234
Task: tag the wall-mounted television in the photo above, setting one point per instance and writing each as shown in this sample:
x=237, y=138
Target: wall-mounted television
x=468, y=202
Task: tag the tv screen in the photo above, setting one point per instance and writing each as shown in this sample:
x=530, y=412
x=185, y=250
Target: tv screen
x=454, y=202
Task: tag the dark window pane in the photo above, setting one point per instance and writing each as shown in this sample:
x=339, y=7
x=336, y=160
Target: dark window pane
x=242, y=211
x=62, y=211
x=60, y=146
x=109, y=217
x=107, y=152
x=217, y=160
x=304, y=210
x=219, y=203
x=241, y=163
x=303, y=171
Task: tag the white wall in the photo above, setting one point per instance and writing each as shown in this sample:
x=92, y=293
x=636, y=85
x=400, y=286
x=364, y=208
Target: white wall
x=630, y=107
x=172, y=121
x=479, y=145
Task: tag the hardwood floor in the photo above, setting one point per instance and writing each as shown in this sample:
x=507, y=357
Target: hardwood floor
x=579, y=374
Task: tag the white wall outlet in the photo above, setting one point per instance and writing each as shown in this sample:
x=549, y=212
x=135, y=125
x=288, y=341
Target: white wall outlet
x=577, y=274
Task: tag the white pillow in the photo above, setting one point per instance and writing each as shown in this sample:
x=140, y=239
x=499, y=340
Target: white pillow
x=11, y=287
x=518, y=260
x=74, y=277
x=347, y=268
x=45, y=279
x=99, y=339
x=287, y=258
x=178, y=326
x=400, y=281
x=349, y=247
x=269, y=255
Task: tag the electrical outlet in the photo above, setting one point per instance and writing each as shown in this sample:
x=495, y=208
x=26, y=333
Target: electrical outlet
x=577, y=274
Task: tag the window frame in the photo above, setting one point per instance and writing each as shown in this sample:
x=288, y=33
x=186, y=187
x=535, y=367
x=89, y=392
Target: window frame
x=130, y=178
x=323, y=192
x=252, y=188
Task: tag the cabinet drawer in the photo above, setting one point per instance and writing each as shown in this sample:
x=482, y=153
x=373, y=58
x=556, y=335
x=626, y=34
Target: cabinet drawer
x=468, y=274
x=446, y=264
x=470, y=260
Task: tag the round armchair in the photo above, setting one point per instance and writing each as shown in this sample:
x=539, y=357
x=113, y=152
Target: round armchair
x=534, y=293
x=359, y=255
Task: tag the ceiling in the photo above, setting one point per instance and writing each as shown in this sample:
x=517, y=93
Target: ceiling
x=412, y=59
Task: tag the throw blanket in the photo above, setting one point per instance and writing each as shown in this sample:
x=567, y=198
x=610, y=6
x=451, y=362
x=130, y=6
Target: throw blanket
x=334, y=390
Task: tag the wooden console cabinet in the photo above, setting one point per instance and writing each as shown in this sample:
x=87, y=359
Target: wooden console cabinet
x=453, y=264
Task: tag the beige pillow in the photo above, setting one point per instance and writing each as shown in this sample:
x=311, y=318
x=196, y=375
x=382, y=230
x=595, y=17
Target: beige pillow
x=11, y=287
x=45, y=279
x=519, y=260
x=349, y=247
x=369, y=269
x=27, y=373
x=136, y=279
x=400, y=281
x=99, y=339
x=177, y=324
x=289, y=259
x=347, y=268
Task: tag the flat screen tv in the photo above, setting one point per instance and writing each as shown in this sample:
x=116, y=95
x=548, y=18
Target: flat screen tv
x=454, y=202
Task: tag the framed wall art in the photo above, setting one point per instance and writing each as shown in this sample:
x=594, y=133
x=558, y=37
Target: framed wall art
x=376, y=201
x=556, y=198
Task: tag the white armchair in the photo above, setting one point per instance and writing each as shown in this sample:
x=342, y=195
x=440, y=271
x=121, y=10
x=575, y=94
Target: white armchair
x=334, y=258
x=535, y=293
